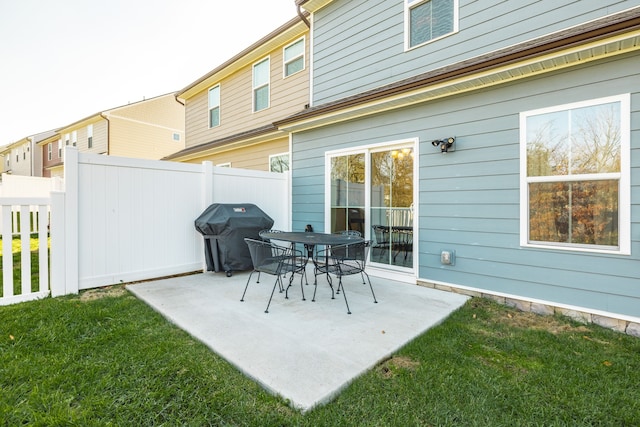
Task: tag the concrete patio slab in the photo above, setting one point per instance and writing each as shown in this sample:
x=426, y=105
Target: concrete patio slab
x=304, y=351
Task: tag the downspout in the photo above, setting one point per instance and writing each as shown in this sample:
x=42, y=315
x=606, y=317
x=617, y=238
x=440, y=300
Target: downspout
x=104, y=116
x=301, y=15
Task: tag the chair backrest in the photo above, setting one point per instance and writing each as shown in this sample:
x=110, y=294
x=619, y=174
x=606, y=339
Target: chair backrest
x=352, y=253
x=265, y=254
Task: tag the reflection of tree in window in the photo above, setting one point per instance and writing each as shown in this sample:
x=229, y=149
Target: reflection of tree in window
x=393, y=172
x=581, y=142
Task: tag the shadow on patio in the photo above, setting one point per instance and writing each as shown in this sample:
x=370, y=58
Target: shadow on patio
x=304, y=351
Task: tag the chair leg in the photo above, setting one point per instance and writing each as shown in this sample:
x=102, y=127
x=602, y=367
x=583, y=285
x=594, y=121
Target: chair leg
x=278, y=280
x=246, y=286
x=344, y=295
x=371, y=287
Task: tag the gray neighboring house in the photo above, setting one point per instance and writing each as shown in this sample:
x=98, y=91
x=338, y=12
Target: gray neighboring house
x=487, y=148
x=23, y=156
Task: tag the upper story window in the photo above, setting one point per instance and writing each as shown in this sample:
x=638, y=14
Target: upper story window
x=90, y=136
x=49, y=151
x=279, y=162
x=66, y=139
x=176, y=137
x=575, y=183
x=74, y=138
x=59, y=149
x=428, y=20
x=261, y=72
x=294, y=58
x=214, y=106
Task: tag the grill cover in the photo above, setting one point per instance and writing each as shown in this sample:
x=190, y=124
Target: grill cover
x=224, y=228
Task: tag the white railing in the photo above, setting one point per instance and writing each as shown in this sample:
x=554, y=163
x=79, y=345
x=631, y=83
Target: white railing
x=25, y=292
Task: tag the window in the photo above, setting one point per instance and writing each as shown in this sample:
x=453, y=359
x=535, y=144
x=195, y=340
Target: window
x=294, y=58
x=261, y=72
x=90, y=136
x=575, y=190
x=428, y=20
x=279, y=162
x=224, y=165
x=214, y=106
x=24, y=153
x=66, y=139
x=49, y=151
x=176, y=136
x=74, y=138
x=59, y=149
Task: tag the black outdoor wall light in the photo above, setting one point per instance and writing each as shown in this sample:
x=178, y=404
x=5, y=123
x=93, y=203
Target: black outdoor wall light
x=445, y=144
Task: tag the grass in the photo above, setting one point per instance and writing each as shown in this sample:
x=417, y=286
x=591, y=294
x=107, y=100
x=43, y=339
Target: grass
x=16, y=246
x=105, y=358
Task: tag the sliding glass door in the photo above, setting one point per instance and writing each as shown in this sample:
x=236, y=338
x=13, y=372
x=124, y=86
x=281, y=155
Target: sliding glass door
x=372, y=191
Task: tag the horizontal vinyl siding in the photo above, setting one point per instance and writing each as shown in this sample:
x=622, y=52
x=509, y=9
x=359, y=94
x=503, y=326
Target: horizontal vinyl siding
x=140, y=140
x=254, y=157
x=287, y=96
x=359, y=45
x=469, y=198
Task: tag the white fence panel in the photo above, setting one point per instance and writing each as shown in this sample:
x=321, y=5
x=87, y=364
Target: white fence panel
x=267, y=190
x=135, y=219
x=25, y=292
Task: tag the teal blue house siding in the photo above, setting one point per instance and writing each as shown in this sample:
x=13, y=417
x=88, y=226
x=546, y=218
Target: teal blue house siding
x=469, y=198
x=360, y=45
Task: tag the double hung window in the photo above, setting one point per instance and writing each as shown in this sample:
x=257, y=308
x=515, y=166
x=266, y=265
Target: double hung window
x=294, y=58
x=428, y=20
x=214, y=106
x=575, y=190
x=261, y=72
x=90, y=136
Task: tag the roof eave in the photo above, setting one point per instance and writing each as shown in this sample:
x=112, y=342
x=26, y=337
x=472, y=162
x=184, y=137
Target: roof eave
x=578, y=45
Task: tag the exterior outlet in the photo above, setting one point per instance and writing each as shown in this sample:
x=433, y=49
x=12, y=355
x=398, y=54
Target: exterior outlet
x=448, y=257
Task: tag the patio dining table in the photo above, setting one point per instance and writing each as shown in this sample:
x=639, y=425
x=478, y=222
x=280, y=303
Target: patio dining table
x=310, y=240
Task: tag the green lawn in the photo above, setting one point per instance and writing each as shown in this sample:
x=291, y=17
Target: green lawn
x=105, y=358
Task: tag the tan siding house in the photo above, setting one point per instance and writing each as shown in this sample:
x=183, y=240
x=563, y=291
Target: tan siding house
x=149, y=129
x=23, y=157
x=229, y=112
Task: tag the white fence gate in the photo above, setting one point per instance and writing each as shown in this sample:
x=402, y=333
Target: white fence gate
x=120, y=220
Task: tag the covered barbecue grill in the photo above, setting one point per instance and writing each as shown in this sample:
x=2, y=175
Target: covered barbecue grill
x=224, y=227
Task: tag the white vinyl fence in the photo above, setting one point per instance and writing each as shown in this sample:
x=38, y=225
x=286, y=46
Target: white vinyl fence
x=121, y=220
x=16, y=186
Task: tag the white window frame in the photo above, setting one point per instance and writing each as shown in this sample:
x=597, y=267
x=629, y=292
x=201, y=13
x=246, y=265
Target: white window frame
x=90, y=136
x=74, y=138
x=224, y=165
x=286, y=153
x=301, y=55
x=49, y=151
x=66, y=139
x=624, y=179
x=260, y=86
x=410, y=4
x=212, y=107
x=59, y=149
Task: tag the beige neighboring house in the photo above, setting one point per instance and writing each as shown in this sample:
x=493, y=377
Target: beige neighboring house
x=148, y=129
x=23, y=157
x=230, y=111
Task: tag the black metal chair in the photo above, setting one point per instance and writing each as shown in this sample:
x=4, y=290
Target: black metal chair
x=277, y=261
x=340, y=261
